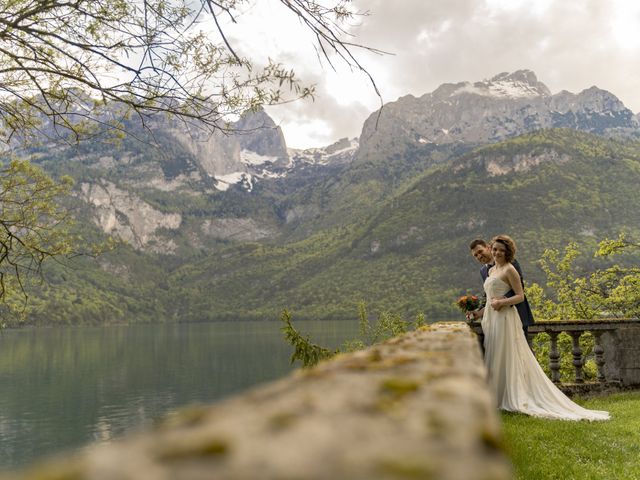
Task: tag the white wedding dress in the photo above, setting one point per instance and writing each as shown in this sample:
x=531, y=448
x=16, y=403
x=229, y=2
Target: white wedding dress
x=516, y=380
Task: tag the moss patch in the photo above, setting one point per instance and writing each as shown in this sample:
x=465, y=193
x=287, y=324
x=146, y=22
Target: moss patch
x=209, y=447
x=407, y=468
x=399, y=387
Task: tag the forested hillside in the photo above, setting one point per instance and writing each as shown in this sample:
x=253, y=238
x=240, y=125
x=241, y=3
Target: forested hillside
x=401, y=247
x=411, y=255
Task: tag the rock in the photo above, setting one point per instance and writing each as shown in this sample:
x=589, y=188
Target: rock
x=241, y=229
x=257, y=132
x=127, y=217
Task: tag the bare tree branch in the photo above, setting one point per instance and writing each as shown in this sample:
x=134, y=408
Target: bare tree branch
x=148, y=56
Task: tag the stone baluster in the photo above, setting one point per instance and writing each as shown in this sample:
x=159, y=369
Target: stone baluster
x=577, y=356
x=599, y=352
x=620, y=338
x=554, y=358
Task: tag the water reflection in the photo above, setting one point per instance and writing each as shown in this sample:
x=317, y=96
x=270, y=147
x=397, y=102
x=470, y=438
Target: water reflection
x=67, y=387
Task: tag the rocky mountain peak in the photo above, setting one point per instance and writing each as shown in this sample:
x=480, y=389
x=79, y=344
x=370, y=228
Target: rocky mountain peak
x=601, y=100
x=506, y=105
x=524, y=76
x=519, y=84
x=257, y=132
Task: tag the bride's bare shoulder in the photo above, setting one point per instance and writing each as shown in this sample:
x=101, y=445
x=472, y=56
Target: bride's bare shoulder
x=512, y=271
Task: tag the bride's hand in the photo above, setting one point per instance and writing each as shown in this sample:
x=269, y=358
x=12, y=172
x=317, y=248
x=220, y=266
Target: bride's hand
x=496, y=304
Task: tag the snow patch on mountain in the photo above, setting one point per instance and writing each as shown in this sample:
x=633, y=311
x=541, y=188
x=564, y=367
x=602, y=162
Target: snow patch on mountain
x=252, y=158
x=520, y=84
x=259, y=167
x=502, y=89
x=223, y=182
x=339, y=152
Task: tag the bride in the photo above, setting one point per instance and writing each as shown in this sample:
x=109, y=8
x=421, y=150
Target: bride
x=516, y=380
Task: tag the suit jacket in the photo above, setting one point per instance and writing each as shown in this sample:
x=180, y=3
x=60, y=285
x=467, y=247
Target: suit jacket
x=524, y=310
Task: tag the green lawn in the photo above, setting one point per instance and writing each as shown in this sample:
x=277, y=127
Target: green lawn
x=563, y=450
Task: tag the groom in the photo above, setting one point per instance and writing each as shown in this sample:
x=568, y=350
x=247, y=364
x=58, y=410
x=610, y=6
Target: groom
x=481, y=251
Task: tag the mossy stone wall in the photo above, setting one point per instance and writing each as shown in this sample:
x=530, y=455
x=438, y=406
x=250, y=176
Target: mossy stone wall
x=415, y=407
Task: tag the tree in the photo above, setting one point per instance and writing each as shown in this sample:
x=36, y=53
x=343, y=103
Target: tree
x=33, y=226
x=613, y=291
x=63, y=61
x=572, y=293
x=387, y=326
x=619, y=285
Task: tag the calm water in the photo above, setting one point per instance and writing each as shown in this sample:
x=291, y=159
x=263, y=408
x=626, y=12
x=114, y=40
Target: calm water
x=65, y=388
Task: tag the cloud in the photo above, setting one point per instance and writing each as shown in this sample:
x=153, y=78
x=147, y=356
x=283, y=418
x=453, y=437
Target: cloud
x=319, y=123
x=570, y=44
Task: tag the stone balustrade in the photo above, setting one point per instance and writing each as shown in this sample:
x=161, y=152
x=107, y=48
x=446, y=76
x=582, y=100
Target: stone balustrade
x=415, y=407
x=616, y=351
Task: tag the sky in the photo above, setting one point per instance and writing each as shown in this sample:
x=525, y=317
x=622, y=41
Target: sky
x=569, y=44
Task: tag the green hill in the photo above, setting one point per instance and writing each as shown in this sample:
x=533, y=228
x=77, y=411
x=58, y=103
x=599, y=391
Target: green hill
x=411, y=255
x=394, y=236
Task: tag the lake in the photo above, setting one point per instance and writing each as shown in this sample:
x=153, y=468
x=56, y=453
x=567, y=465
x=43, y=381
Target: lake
x=66, y=388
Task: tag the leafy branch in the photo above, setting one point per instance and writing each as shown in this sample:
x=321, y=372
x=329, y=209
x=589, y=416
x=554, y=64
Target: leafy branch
x=304, y=350
x=34, y=226
x=570, y=294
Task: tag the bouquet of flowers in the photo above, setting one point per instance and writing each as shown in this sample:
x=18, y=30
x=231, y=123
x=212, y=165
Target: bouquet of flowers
x=468, y=303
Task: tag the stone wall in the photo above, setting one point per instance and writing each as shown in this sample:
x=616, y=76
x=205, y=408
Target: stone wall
x=414, y=407
x=622, y=354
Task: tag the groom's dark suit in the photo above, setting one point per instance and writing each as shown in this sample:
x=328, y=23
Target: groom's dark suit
x=524, y=310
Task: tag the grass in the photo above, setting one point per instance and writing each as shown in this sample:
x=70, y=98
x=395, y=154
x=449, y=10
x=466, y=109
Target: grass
x=553, y=449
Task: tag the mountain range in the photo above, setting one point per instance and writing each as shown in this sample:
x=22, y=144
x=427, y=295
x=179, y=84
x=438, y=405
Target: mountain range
x=223, y=227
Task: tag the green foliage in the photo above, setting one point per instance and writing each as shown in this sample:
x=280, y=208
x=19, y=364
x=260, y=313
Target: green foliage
x=572, y=293
x=618, y=285
x=610, y=291
x=572, y=299
x=577, y=294
x=304, y=350
x=118, y=286
x=409, y=253
x=388, y=325
x=394, y=234
x=34, y=227
x=542, y=346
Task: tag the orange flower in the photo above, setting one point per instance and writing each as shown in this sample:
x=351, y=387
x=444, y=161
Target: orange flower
x=467, y=303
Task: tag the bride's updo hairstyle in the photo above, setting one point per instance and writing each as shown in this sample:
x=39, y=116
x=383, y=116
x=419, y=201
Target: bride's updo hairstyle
x=509, y=245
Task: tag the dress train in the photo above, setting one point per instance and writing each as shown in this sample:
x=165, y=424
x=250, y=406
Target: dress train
x=516, y=380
